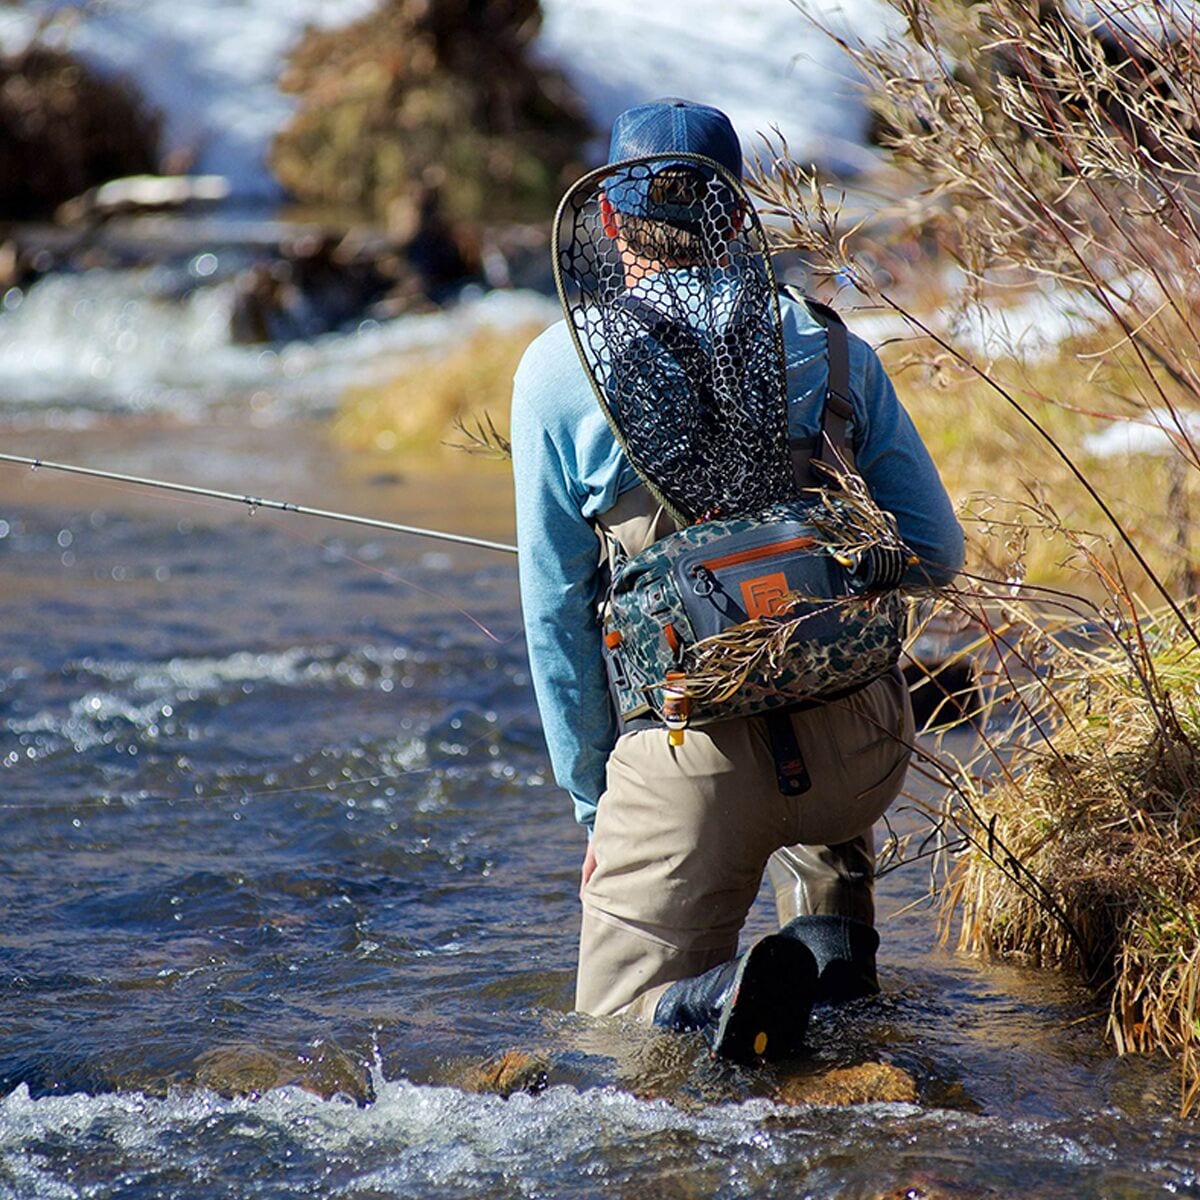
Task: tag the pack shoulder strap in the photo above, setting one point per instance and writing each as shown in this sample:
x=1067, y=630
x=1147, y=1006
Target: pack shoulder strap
x=674, y=334
x=833, y=437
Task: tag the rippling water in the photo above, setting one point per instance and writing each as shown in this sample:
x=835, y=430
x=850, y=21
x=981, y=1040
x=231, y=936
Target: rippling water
x=282, y=862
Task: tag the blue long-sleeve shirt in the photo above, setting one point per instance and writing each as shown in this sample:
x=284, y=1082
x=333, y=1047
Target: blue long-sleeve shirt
x=568, y=469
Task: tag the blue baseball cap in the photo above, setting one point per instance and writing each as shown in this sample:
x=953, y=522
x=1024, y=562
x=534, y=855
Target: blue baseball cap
x=660, y=129
x=666, y=125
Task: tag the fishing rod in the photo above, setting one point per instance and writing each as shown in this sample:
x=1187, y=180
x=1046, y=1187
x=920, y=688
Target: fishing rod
x=253, y=503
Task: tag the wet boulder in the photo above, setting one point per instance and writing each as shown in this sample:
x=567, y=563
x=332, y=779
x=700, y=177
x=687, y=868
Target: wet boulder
x=867, y=1083
x=244, y=1069
x=16, y=269
x=511, y=1072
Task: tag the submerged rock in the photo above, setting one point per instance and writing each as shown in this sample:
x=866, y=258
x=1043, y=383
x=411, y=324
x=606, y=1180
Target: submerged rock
x=930, y=1189
x=243, y=1069
x=867, y=1083
x=513, y=1071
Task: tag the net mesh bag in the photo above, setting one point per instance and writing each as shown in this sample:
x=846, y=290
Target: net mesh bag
x=668, y=291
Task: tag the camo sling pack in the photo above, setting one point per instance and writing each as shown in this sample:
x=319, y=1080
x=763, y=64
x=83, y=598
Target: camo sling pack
x=776, y=569
x=669, y=294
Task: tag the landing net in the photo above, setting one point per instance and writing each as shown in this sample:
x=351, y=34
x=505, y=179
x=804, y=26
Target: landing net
x=667, y=287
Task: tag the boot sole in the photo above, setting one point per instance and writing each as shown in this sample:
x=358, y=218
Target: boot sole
x=767, y=1016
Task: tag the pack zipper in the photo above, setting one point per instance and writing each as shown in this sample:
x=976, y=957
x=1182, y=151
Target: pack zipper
x=738, y=557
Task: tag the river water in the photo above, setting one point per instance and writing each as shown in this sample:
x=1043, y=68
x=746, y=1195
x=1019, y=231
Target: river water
x=283, y=863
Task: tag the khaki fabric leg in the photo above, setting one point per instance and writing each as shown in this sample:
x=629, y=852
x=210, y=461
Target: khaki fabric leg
x=838, y=879
x=683, y=835
x=681, y=840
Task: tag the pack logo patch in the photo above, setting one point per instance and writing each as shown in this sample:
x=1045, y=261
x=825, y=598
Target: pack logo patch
x=763, y=596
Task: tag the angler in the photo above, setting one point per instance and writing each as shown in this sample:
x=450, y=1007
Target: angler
x=666, y=440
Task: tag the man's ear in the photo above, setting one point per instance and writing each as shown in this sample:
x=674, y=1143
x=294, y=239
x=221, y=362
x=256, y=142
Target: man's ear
x=608, y=217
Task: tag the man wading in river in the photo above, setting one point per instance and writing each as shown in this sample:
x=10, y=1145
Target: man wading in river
x=681, y=393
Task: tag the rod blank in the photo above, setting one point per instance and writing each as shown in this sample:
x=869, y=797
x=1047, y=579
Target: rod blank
x=256, y=502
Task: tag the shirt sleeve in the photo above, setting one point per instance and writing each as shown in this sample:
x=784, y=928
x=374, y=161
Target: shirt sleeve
x=900, y=474
x=559, y=563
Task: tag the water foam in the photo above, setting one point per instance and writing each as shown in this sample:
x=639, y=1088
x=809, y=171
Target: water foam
x=411, y=1137
x=422, y=1140
x=150, y=340
x=153, y=693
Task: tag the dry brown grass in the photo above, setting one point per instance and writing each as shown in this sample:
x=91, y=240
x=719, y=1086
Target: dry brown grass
x=434, y=394
x=1046, y=157
x=1090, y=855
x=983, y=446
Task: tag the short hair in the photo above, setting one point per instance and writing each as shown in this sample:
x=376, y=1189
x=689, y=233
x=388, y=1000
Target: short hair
x=671, y=239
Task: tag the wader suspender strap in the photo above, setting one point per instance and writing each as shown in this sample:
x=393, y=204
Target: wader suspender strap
x=791, y=773
x=833, y=441
x=675, y=334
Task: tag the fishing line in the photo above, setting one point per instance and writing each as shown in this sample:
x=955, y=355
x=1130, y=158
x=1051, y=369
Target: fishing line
x=254, y=503
x=392, y=576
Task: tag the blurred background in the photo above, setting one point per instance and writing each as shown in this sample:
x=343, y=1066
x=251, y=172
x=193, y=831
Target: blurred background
x=268, y=206
x=278, y=821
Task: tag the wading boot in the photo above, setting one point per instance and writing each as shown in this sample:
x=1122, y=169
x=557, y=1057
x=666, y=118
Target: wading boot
x=844, y=950
x=753, y=1008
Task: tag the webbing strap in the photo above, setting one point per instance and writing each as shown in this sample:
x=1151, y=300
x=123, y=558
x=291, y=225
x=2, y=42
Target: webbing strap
x=833, y=442
x=675, y=335
x=833, y=438
x=791, y=773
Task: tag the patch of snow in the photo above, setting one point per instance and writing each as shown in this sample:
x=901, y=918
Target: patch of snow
x=1158, y=433
x=761, y=61
x=1030, y=329
x=212, y=68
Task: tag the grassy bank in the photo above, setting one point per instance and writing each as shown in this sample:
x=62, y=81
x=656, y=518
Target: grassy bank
x=438, y=399
x=1042, y=153
x=1077, y=823
x=1015, y=473
x=1084, y=852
